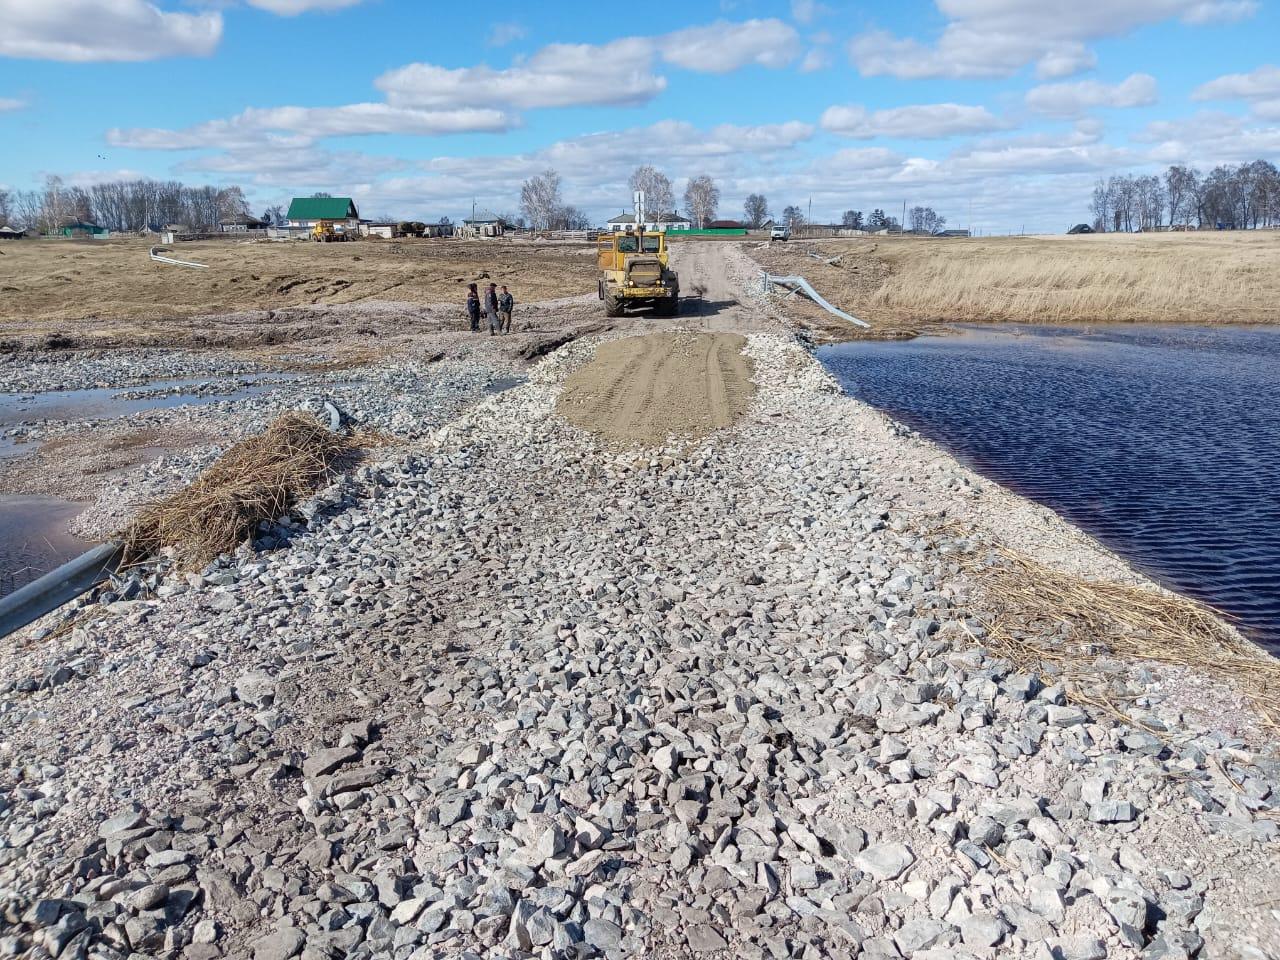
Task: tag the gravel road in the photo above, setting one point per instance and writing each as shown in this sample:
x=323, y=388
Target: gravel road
x=518, y=690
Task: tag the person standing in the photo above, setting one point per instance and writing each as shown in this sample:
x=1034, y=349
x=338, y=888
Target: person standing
x=491, y=307
x=473, y=307
x=505, y=305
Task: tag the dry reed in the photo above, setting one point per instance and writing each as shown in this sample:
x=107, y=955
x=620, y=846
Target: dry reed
x=1060, y=625
x=255, y=480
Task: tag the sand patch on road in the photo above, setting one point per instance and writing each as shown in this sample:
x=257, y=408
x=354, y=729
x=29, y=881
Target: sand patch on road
x=646, y=389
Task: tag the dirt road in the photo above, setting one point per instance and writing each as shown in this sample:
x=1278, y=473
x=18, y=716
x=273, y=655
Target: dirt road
x=646, y=389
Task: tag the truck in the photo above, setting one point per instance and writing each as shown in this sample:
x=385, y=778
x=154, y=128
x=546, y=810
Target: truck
x=634, y=272
x=780, y=232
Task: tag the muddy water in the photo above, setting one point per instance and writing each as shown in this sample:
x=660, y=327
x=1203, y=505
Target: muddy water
x=34, y=538
x=1163, y=442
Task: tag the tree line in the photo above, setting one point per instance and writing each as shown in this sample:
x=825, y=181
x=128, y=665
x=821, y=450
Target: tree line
x=126, y=206
x=1227, y=197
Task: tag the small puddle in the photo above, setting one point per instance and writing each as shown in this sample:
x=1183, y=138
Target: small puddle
x=34, y=538
x=503, y=384
x=104, y=403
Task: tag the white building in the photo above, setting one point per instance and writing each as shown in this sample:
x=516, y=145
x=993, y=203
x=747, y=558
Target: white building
x=663, y=222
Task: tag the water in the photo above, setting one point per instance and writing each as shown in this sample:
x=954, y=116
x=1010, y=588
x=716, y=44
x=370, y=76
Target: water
x=1162, y=442
x=100, y=403
x=34, y=538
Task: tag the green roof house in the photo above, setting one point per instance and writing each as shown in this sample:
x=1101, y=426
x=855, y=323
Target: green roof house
x=307, y=211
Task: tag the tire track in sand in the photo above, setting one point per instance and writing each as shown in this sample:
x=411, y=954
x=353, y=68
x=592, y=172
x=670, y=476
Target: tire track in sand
x=646, y=389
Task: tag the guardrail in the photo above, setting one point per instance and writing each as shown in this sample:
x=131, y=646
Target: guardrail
x=769, y=280
x=158, y=258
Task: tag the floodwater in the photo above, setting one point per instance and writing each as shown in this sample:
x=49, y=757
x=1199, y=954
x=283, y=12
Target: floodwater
x=100, y=403
x=34, y=538
x=1163, y=442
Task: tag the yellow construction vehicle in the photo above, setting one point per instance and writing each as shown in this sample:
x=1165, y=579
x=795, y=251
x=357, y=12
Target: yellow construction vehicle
x=326, y=231
x=634, y=273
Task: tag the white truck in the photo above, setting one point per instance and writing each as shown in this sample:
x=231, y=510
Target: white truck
x=780, y=232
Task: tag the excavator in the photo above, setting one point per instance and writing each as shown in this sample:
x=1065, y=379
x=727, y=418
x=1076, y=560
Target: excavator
x=634, y=269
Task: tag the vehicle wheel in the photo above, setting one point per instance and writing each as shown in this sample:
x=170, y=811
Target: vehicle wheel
x=670, y=307
x=612, y=307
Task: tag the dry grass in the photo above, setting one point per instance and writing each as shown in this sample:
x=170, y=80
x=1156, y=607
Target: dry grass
x=107, y=291
x=1155, y=278
x=1060, y=626
x=257, y=479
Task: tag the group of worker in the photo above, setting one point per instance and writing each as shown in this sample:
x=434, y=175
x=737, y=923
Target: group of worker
x=496, y=306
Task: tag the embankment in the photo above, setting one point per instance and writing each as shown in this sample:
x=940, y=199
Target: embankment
x=521, y=691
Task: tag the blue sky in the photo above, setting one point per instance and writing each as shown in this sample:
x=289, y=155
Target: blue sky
x=998, y=113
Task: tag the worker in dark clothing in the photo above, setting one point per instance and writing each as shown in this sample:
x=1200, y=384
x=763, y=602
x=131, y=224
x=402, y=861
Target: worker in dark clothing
x=491, y=307
x=473, y=307
x=505, y=305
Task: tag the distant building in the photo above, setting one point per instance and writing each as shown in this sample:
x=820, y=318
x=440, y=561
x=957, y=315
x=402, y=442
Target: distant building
x=11, y=233
x=82, y=228
x=725, y=225
x=242, y=224
x=663, y=222
x=305, y=212
x=1080, y=228
x=952, y=233
x=483, y=224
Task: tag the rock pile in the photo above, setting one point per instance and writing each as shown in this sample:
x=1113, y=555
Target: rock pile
x=518, y=694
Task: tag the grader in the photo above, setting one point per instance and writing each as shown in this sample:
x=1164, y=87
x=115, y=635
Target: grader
x=634, y=273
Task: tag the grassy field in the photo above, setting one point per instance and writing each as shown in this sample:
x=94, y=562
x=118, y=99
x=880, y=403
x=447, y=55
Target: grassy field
x=86, y=289
x=901, y=284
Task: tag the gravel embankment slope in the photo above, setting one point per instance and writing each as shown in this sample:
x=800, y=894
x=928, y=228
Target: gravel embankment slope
x=522, y=694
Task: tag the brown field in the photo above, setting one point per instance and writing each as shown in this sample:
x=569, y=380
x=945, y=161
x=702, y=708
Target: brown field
x=902, y=284
x=111, y=292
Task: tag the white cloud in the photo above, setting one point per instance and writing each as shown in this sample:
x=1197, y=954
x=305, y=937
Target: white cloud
x=282, y=127
x=8, y=104
x=934, y=121
x=291, y=8
x=722, y=47
x=1210, y=138
x=1260, y=87
x=995, y=38
x=814, y=61
x=93, y=30
x=618, y=73
x=1260, y=84
x=807, y=11
x=558, y=75
x=506, y=32
x=1071, y=100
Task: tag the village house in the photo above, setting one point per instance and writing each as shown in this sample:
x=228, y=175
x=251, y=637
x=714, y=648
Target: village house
x=305, y=212
x=663, y=222
x=484, y=224
x=242, y=223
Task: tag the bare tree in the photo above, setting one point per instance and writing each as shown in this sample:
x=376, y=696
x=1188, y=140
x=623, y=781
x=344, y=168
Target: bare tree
x=793, y=216
x=274, y=215
x=4, y=207
x=573, y=218
x=926, y=220
x=658, y=195
x=540, y=200
x=701, y=199
x=756, y=209
x=851, y=219
x=1180, y=188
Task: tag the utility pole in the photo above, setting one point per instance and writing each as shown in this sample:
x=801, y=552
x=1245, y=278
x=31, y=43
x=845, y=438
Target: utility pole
x=902, y=224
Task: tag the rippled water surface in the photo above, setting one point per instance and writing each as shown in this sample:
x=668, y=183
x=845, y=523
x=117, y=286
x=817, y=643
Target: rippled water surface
x=1163, y=442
